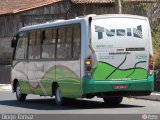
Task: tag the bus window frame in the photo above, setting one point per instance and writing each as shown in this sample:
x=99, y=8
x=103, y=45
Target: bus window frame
x=55, y=57
x=42, y=30
x=37, y=30
x=70, y=25
x=15, y=49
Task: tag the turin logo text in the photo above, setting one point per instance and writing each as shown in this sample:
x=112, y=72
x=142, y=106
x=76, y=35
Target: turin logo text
x=131, y=32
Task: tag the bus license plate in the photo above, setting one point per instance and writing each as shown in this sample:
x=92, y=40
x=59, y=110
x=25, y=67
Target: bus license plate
x=120, y=87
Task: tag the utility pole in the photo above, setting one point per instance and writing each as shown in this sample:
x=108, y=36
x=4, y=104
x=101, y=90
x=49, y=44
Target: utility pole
x=119, y=7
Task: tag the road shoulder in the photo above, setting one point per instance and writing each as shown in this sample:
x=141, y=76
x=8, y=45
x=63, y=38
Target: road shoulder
x=155, y=96
x=6, y=87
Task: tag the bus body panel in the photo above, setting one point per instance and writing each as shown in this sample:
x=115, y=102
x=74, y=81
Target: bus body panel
x=39, y=76
x=123, y=46
x=20, y=72
x=91, y=86
x=69, y=78
x=38, y=82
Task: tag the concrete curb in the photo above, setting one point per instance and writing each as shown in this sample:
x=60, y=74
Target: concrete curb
x=5, y=87
x=155, y=96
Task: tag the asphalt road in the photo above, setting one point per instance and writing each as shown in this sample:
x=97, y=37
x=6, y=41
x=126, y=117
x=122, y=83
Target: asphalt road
x=46, y=105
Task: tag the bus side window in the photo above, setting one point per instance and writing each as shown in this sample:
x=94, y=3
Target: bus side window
x=68, y=45
x=48, y=46
x=34, y=45
x=76, y=41
x=60, y=51
x=21, y=50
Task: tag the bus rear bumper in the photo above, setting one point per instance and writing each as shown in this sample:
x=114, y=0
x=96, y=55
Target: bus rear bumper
x=109, y=88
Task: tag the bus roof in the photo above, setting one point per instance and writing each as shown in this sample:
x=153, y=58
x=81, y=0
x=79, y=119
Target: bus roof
x=52, y=24
x=77, y=20
x=119, y=16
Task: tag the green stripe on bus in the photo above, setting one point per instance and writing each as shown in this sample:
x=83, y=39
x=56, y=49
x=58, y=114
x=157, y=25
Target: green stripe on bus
x=105, y=71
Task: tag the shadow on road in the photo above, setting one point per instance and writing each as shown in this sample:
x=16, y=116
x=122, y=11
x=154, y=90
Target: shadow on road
x=49, y=104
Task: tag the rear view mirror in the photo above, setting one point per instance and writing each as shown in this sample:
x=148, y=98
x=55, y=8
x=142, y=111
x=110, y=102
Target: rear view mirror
x=14, y=42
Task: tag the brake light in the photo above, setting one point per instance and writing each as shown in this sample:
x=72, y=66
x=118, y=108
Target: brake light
x=151, y=66
x=88, y=67
x=151, y=62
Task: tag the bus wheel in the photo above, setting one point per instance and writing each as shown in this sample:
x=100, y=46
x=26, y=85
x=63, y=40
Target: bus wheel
x=58, y=98
x=112, y=101
x=20, y=97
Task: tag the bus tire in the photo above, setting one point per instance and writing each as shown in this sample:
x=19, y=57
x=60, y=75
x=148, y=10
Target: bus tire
x=58, y=97
x=20, y=97
x=112, y=101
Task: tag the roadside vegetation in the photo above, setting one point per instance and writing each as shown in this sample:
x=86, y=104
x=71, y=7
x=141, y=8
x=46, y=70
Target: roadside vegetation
x=156, y=46
x=155, y=36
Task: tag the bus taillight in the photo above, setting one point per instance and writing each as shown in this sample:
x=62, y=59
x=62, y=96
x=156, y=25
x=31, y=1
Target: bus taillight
x=88, y=62
x=151, y=65
x=88, y=67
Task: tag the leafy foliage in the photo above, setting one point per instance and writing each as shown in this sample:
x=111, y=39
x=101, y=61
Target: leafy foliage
x=156, y=46
x=145, y=6
x=155, y=35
